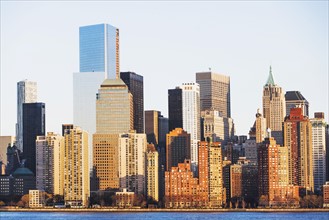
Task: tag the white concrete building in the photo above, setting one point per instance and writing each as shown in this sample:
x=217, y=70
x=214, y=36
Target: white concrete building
x=191, y=117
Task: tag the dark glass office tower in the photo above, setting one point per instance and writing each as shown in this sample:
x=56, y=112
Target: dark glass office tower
x=175, y=108
x=34, y=124
x=136, y=88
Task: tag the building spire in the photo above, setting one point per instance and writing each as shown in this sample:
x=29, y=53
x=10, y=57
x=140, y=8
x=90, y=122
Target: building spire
x=270, y=80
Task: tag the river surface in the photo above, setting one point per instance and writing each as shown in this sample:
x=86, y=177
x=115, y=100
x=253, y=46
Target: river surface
x=165, y=215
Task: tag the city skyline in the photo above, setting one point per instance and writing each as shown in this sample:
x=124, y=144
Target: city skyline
x=298, y=56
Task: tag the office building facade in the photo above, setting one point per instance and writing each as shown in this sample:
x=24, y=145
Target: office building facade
x=215, y=93
x=136, y=88
x=152, y=172
x=178, y=147
x=132, y=161
x=114, y=108
x=319, y=150
x=295, y=99
x=76, y=169
x=297, y=131
x=274, y=107
x=34, y=124
x=26, y=93
x=216, y=127
x=99, y=49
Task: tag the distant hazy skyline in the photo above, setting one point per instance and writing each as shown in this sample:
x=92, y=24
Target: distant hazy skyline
x=167, y=43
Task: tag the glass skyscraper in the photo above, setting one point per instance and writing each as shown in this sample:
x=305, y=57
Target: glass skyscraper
x=99, y=49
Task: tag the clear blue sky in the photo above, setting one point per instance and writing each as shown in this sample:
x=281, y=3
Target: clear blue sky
x=167, y=42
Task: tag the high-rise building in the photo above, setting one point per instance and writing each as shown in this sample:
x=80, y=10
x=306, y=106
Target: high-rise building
x=50, y=163
x=99, y=49
x=215, y=92
x=44, y=165
x=152, y=172
x=175, y=108
x=260, y=124
x=189, y=96
x=156, y=129
x=297, y=131
x=136, y=88
x=152, y=126
x=250, y=184
x=178, y=147
x=26, y=93
x=114, y=115
x=181, y=186
x=66, y=126
x=99, y=60
x=217, y=127
x=327, y=152
x=191, y=118
x=85, y=88
x=34, y=124
x=250, y=151
x=273, y=173
x=106, y=161
x=319, y=150
x=295, y=99
x=274, y=107
x=216, y=190
x=5, y=141
x=76, y=170
x=132, y=152
x=56, y=142
x=114, y=108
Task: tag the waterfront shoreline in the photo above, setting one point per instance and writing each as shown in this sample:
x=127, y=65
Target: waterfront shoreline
x=157, y=210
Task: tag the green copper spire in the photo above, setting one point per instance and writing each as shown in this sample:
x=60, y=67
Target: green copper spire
x=270, y=80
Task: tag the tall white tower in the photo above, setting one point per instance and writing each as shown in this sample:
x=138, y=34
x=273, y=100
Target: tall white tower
x=191, y=117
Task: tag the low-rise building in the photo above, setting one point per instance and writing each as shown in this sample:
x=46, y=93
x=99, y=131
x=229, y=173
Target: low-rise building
x=36, y=198
x=326, y=195
x=124, y=199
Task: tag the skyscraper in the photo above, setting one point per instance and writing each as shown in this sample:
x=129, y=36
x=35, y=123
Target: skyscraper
x=50, y=163
x=136, y=88
x=319, y=150
x=99, y=60
x=186, y=114
x=152, y=126
x=178, y=147
x=295, y=99
x=132, y=161
x=34, y=124
x=215, y=92
x=26, y=93
x=114, y=115
x=76, y=172
x=274, y=107
x=152, y=172
x=106, y=161
x=297, y=132
x=85, y=87
x=260, y=124
x=175, y=108
x=114, y=108
x=99, y=49
x=44, y=165
x=216, y=126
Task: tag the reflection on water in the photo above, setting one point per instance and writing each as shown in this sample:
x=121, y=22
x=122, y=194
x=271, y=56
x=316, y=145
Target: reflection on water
x=165, y=215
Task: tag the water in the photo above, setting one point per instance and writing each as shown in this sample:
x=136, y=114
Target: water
x=165, y=215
